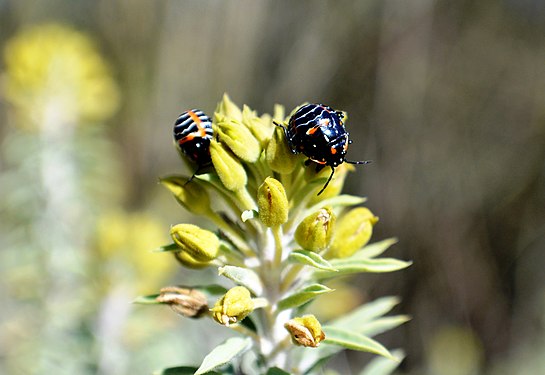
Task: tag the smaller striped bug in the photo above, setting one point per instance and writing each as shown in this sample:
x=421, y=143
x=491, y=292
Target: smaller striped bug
x=192, y=133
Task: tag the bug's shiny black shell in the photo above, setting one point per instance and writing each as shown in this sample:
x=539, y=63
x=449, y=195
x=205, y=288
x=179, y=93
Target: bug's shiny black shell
x=318, y=132
x=193, y=132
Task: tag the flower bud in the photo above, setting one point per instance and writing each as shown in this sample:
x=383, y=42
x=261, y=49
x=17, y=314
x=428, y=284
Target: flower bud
x=229, y=169
x=239, y=139
x=261, y=127
x=315, y=231
x=227, y=109
x=278, y=153
x=185, y=301
x=353, y=231
x=337, y=182
x=188, y=261
x=202, y=245
x=305, y=331
x=192, y=196
x=272, y=202
x=234, y=306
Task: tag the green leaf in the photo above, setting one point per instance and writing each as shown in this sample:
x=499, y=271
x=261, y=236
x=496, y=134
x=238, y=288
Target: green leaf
x=375, y=249
x=375, y=265
x=147, y=300
x=383, y=324
x=366, y=313
x=310, y=258
x=244, y=277
x=223, y=353
x=302, y=296
x=342, y=200
x=182, y=370
x=167, y=248
x=383, y=366
x=354, y=341
x=276, y=371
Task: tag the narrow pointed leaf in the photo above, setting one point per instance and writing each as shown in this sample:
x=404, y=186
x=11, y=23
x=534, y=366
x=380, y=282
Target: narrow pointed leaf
x=147, y=300
x=375, y=265
x=375, y=249
x=244, y=277
x=310, y=258
x=224, y=353
x=354, y=341
x=343, y=200
x=303, y=296
x=167, y=248
x=182, y=370
x=276, y=371
x=383, y=366
x=383, y=324
x=367, y=312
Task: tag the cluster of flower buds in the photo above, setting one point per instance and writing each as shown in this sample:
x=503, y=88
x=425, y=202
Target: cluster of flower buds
x=270, y=233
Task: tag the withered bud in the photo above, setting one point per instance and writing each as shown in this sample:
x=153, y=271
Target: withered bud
x=184, y=301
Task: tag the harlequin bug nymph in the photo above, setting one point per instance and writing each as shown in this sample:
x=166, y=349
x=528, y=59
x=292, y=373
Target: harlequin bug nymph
x=192, y=133
x=318, y=132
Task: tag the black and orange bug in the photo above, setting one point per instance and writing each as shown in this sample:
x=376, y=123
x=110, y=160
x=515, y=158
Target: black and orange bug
x=317, y=131
x=192, y=133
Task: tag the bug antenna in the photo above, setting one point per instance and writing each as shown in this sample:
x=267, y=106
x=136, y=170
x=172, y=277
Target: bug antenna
x=328, y=180
x=358, y=162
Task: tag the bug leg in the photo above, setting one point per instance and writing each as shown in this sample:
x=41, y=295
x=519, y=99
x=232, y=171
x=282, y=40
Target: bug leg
x=358, y=162
x=327, y=182
x=194, y=174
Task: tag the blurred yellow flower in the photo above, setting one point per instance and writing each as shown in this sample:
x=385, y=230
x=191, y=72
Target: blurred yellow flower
x=53, y=63
x=129, y=238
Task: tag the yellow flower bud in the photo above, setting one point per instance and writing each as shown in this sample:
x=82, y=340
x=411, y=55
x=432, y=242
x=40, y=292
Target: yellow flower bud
x=185, y=301
x=188, y=261
x=239, y=139
x=234, y=306
x=202, y=245
x=305, y=331
x=279, y=155
x=337, y=182
x=315, y=231
x=227, y=109
x=353, y=231
x=261, y=127
x=272, y=202
x=192, y=196
x=229, y=169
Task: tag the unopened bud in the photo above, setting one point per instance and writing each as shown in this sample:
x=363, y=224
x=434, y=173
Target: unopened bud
x=234, y=306
x=305, y=331
x=272, y=203
x=315, y=231
x=185, y=301
x=279, y=155
x=202, y=245
x=188, y=261
x=239, y=139
x=190, y=195
x=335, y=187
x=261, y=127
x=229, y=169
x=227, y=109
x=353, y=231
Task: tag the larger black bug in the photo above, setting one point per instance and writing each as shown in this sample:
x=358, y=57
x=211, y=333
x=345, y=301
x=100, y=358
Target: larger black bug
x=318, y=132
x=193, y=132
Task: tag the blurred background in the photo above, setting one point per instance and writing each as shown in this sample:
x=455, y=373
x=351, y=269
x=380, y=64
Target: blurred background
x=447, y=98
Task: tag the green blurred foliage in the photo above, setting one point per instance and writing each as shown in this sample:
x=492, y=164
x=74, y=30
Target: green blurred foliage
x=445, y=97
